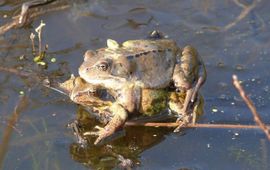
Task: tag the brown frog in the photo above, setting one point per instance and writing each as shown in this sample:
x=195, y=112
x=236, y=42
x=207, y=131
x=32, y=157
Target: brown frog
x=135, y=65
x=152, y=101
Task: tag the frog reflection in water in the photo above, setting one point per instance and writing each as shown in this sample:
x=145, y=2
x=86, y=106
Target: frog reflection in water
x=152, y=101
x=124, y=70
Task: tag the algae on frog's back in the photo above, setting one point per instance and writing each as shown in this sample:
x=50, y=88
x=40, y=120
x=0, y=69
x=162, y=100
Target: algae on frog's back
x=153, y=101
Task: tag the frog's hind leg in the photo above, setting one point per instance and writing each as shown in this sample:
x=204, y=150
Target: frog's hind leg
x=188, y=72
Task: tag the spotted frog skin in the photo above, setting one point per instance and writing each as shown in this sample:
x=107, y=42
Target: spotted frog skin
x=126, y=69
x=152, y=101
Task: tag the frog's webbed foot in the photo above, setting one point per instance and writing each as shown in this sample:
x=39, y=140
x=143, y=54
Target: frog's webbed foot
x=183, y=122
x=118, y=120
x=191, y=115
x=102, y=133
x=176, y=105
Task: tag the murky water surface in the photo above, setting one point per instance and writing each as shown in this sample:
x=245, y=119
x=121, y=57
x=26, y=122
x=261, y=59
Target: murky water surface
x=229, y=43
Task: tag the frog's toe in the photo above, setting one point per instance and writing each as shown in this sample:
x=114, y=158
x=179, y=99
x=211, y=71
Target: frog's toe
x=97, y=131
x=181, y=114
x=183, y=122
x=98, y=128
x=179, y=118
x=91, y=133
x=100, y=132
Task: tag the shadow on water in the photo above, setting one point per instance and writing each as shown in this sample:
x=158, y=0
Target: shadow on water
x=232, y=36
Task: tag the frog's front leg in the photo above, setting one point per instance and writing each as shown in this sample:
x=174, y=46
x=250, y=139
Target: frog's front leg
x=125, y=103
x=127, y=98
x=118, y=120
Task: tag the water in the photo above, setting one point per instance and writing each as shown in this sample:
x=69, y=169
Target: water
x=40, y=139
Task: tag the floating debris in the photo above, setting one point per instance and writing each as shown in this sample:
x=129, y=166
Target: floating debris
x=214, y=110
x=220, y=64
x=239, y=67
x=53, y=60
x=21, y=93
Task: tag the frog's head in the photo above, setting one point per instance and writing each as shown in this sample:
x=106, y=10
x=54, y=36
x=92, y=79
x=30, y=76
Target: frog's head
x=95, y=67
x=106, y=67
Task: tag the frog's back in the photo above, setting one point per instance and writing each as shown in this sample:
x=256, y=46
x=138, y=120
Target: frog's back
x=154, y=61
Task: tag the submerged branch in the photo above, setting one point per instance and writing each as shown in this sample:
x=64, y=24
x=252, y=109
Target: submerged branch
x=256, y=116
x=9, y=128
x=246, y=10
x=14, y=71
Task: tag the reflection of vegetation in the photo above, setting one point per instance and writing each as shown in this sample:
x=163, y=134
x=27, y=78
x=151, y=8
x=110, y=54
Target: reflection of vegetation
x=20, y=107
x=44, y=159
x=241, y=155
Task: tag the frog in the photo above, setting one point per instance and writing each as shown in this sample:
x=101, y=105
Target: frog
x=153, y=101
x=128, y=68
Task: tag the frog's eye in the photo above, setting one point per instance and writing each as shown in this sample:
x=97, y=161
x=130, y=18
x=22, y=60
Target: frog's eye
x=103, y=66
x=91, y=92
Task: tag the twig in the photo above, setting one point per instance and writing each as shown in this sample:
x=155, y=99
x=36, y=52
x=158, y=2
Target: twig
x=246, y=10
x=39, y=31
x=15, y=23
x=32, y=38
x=197, y=125
x=251, y=106
x=27, y=5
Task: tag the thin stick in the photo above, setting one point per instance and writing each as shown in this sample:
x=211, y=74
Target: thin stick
x=27, y=5
x=197, y=125
x=32, y=38
x=39, y=31
x=15, y=23
x=251, y=106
